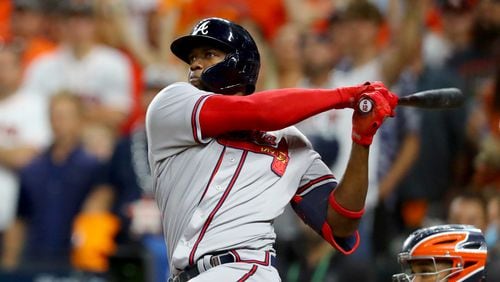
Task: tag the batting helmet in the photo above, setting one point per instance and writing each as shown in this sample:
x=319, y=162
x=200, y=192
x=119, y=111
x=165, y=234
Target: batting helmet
x=462, y=245
x=239, y=70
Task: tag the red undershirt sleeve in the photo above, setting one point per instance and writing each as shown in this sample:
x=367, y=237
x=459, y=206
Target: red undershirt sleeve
x=270, y=110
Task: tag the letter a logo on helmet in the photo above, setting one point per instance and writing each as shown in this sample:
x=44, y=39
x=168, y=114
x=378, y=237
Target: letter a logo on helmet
x=201, y=28
x=239, y=70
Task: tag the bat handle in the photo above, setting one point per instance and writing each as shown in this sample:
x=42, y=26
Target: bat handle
x=365, y=105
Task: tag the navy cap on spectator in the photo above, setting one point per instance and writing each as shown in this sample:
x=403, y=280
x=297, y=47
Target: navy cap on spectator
x=27, y=5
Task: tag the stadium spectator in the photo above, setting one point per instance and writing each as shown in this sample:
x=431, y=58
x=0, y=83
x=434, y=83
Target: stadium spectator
x=24, y=130
x=56, y=186
x=492, y=237
x=99, y=74
x=450, y=139
x=493, y=228
x=469, y=208
x=321, y=57
x=288, y=60
x=471, y=60
x=485, y=127
x=143, y=31
x=311, y=15
x=28, y=30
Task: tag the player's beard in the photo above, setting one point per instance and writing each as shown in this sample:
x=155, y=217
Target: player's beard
x=198, y=83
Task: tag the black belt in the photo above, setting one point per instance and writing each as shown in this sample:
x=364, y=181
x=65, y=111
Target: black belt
x=193, y=271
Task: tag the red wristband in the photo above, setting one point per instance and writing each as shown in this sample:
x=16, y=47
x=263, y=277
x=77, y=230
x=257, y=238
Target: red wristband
x=343, y=211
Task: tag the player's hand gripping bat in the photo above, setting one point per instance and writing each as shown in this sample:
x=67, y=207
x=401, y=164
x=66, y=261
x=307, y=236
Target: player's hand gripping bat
x=443, y=98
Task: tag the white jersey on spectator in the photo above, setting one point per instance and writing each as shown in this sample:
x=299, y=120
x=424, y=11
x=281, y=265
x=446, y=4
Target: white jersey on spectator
x=23, y=122
x=342, y=122
x=320, y=124
x=243, y=185
x=103, y=76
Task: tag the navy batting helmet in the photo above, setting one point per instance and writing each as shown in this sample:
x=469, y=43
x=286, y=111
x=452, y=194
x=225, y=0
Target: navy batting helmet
x=239, y=70
x=463, y=246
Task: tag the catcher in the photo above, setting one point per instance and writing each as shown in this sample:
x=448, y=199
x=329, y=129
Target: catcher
x=443, y=253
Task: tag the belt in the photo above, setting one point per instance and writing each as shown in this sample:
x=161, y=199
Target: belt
x=214, y=260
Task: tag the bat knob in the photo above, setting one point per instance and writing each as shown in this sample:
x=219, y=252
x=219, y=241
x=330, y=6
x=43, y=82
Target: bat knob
x=365, y=105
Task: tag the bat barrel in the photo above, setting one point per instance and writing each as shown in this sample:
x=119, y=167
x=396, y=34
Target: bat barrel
x=443, y=98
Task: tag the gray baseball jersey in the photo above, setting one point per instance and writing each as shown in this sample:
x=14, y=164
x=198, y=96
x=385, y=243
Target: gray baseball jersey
x=221, y=193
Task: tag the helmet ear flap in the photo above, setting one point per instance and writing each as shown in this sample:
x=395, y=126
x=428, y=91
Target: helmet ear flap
x=225, y=77
x=232, y=60
x=243, y=69
x=247, y=69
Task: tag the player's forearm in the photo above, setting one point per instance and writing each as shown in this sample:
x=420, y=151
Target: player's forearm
x=402, y=164
x=13, y=242
x=407, y=42
x=110, y=117
x=99, y=200
x=270, y=110
x=17, y=158
x=350, y=194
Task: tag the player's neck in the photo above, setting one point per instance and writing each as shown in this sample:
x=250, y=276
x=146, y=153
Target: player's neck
x=62, y=148
x=289, y=79
x=82, y=49
x=320, y=79
x=5, y=93
x=364, y=56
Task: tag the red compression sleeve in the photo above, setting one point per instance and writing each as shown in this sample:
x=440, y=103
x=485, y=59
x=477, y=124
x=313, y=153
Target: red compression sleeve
x=270, y=110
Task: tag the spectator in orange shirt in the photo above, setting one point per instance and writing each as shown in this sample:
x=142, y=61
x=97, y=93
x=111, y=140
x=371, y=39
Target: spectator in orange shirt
x=26, y=23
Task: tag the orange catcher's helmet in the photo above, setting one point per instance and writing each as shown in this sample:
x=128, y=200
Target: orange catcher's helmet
x=462, y=247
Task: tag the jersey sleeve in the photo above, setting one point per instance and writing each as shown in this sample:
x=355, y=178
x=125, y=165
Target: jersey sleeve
x=172, y=120
x=311, y=204
x=40, y=76
x=37, y=132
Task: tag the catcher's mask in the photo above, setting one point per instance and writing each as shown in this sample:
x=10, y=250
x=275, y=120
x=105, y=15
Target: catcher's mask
x=462, y=246
x=239, y=70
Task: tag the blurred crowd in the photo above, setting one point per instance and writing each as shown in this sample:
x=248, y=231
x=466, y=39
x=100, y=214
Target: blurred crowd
x=76, y=77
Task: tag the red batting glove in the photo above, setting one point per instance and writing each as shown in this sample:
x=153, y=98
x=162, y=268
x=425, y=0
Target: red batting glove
x=365, y=125
x=391, y=97
x=350, y=95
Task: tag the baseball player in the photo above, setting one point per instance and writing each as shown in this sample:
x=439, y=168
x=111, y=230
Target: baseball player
x=226, y=163
x=443, y=253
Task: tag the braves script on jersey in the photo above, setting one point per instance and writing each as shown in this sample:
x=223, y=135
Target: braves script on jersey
x=222, y=193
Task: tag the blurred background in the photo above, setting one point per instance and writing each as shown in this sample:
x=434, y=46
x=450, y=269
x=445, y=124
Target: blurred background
x=77, y=75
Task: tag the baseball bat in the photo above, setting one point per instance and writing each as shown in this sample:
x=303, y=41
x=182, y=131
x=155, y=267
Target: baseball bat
x=442, y=98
